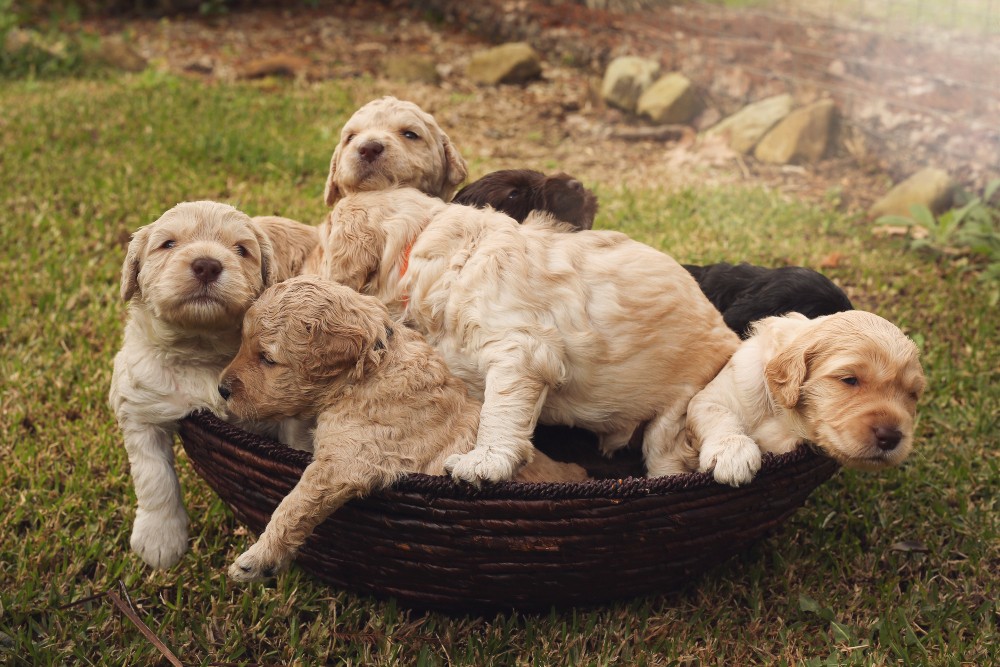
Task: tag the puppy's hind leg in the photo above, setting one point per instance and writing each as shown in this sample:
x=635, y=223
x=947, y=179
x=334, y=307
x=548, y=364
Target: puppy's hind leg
x=160, y=531
x=664, y=443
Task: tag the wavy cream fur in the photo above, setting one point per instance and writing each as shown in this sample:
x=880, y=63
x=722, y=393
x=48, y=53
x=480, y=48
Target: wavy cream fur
x=785, y=385
x=590, y=329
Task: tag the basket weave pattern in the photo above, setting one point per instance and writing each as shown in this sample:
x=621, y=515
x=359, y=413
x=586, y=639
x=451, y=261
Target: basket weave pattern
x=435, y=544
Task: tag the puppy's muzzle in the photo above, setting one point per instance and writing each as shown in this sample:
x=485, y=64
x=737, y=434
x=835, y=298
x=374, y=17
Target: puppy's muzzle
x=370, y=150
x=206, y=269
x=887, y=437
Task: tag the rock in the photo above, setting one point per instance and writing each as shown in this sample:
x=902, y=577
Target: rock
x=117, y=53
x=515, y=62
x=277, y=65
x=625, y=79
x=411, y=69
x=745, y=127
x=930, y=187
x=801, y=137
x=672, y=99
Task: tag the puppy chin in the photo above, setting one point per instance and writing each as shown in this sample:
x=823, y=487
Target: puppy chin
x=203, y=312
x=864, y=455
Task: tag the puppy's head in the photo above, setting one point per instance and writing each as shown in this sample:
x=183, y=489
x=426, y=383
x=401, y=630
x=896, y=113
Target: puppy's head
x=301, y=339
x=390, y=142
x=565, y=197
x=198, y=267
x=852, y=380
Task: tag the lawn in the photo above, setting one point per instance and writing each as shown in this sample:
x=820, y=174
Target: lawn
x=899, y=567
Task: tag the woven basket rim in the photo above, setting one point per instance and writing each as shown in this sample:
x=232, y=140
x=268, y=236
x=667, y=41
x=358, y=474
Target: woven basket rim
x=273, y=452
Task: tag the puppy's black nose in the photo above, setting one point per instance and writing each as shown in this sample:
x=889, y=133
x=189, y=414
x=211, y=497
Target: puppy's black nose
x=370, y=150
x=224, y=392
x=206, y=269
x=574, y=185
x=887, y=438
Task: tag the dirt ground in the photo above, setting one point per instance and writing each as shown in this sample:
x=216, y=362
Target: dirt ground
x=905, y=104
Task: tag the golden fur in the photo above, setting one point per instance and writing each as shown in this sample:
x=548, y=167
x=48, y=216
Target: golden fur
x=293, y=240
x=383, y=401
x=847, y=382
x=590, y=329
x=181, y=332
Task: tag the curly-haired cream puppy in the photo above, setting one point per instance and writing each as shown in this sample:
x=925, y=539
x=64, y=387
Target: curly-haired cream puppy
x=384, y=403
x=590, y=329
x=518, y=192
x=188, y=277
x=848, y=383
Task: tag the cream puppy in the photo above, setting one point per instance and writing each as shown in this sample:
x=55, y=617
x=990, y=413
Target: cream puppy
x=188, y=278
x=383, y=400
x=848, y=383
x=590, y=329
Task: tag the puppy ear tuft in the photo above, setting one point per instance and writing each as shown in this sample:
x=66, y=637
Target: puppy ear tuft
x=456, y=170
x=786, y=372
x=132, y=264
x=267, y=259
x=331, y=192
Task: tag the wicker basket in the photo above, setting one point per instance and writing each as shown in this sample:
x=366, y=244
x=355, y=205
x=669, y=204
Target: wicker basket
x=434, y=544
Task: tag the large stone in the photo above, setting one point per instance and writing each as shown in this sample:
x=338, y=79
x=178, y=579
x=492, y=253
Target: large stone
x=672, y=99
x=625, y=79
x=929, y=187
x=746, y=127
x=801, y=137
x=411, y=69
x=515, y=62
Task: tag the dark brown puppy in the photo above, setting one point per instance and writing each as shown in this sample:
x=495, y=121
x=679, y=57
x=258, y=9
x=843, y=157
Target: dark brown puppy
x=518, y=192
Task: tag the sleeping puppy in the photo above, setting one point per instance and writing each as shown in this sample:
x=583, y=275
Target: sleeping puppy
x=518, y=192
x=744, y=293
x=188, y=278
x=847, y=382
x=388, y=143
x=383, y=400
x=590, y=329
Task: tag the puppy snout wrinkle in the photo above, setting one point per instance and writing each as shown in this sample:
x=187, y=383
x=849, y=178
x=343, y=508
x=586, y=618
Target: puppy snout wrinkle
x=370, y=150
x=225, y=392
x=206, y=269
x=886, y=438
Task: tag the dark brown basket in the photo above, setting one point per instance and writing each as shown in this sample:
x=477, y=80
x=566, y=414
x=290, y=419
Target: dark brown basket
x=434, y=544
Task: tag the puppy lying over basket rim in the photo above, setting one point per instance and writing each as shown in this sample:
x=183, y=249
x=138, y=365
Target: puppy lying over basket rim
x=848, y=383
x=384, y=403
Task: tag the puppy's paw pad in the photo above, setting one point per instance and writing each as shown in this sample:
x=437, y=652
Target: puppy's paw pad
x=160, y=540
x=480, y=465
x=736, y=459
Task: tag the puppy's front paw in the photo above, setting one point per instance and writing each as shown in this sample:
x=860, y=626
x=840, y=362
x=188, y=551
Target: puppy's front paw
x=160, y=538
x=734, y=460
x=255, y=564
x=482, y=464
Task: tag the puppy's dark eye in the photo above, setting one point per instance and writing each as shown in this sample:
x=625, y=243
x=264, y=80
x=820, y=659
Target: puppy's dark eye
x=349, y=139
x=513, y=194
x=266, y=360
x=167, y=245
x=410, y=134
x=241, y=250
x=853, y=381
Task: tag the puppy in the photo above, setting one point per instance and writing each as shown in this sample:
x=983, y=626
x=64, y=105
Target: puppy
x=590, y=329
x=744, y=293
x=518, y=192
x=384, y=403
x=188, y=279
x=387, y=143
x=293, y=243
x=848, y=382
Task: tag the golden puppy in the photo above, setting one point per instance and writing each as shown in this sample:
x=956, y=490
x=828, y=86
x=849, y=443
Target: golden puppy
x=292, y=242
x=384, y=403
x=847, y=382
x=188, y=277
x=590, y=329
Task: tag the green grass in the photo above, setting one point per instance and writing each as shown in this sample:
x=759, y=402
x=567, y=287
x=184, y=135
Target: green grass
x=84, y=163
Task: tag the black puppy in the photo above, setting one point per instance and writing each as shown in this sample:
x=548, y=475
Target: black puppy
x=518, y=192
x=744, y=292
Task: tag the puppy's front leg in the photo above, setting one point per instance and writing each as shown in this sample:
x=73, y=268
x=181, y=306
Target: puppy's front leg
x=714, y=422
x=321, y=490
x=512, y=402
x=160, y=531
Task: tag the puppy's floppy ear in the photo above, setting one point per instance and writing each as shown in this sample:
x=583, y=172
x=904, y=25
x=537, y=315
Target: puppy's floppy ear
x=267, y=258
x=456, y=169
x=133, y=261
x=332, y=191
x=785, y=373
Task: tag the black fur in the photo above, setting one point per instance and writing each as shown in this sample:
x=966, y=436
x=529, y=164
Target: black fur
x=518, y=192
x=744, y=293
